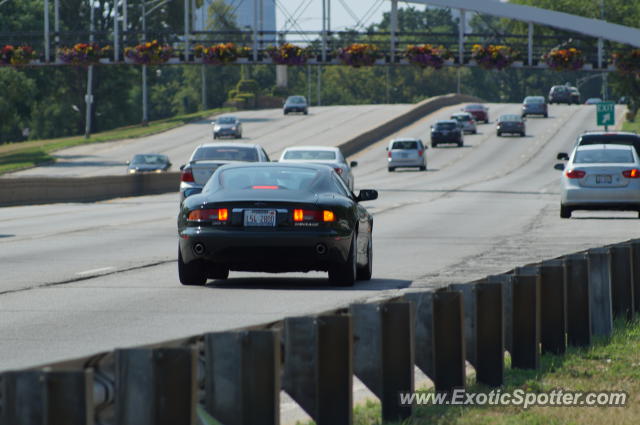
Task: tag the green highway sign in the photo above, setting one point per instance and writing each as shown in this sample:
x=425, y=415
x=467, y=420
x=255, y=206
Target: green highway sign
x=606, y=113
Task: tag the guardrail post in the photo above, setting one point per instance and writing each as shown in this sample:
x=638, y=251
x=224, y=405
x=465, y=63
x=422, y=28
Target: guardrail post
x=448, y=341
x=506, y=281
x=526, y=319
x=553, y=318
x=578, y=306
x=155, y=386
x=469, y=309
x=47, y=398
x=489, y=334
x=318, y=366
x=600, y=292
x=242, y=377
x=423, y=325
x=635, y=272
x=621, y=283
x=384, y=353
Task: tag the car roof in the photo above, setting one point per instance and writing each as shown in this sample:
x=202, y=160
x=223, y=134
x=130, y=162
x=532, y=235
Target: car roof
x=446, y=122
x=601, y=146
x=229, y=145
x=227, y=116
x=534, y=97
x=313, y=148
x=405, y=139
x=609, y=133
x=474, y=106
x=465, y=114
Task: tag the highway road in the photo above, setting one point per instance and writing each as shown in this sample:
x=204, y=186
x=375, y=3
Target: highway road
x=83, y=278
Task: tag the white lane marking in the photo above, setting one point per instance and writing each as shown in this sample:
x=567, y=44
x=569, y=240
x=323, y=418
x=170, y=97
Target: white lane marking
x=95, y=271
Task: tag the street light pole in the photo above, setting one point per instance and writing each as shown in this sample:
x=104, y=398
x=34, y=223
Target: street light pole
x=89, y=97
x=145, y=99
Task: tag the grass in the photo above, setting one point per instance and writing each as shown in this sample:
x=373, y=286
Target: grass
x=16, y=156
x=632, y=126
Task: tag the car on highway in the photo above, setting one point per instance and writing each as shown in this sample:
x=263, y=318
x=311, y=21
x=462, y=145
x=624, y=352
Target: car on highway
x=575, y=95
x=227, y=126
x=325, y=155
x=446, y=131
x=511, y=124
x=560, y=94
x=600, y=177
x=208, y=157
x=275, y=217
x=466, y=121
x=148, y=163
x=296, y=104
x=479, y=112
x=606, y=137
x=593, y=101
x=534, y=105
x=406, y=153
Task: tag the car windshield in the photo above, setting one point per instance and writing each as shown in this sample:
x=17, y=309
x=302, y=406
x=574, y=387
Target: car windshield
x=226, y=120
x=405, y=145
x=148, y=159
x=267, y=178
x=298, y=100
x=310, y=155
x=225, y=153
x=445, y=126
x=536, y=99
x=510, y=118
x=603, y=156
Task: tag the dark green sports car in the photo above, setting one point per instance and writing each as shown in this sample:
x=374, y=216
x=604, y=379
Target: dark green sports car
x=273, y=217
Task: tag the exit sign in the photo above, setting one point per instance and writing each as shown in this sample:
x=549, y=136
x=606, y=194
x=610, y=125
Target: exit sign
x=606, y=113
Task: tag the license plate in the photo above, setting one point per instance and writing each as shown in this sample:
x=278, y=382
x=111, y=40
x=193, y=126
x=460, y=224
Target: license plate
x=404, y=155
x=260, y=218
x=603, y=179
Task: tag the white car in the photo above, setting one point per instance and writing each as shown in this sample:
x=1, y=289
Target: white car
x=467, y=122
x=326, y=155
x=600, y=177
x=406, y=152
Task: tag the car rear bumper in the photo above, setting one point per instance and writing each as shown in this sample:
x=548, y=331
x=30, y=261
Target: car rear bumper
x=601, y=197
x=412, y=162
x=449, y=138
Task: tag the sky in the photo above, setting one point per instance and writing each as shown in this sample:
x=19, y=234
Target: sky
x=309, y=13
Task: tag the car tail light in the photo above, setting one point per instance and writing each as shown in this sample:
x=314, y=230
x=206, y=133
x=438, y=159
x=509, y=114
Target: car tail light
x=209, y=214
x=575, y=174
x=187, y=176
x=389, y=154
x=265, y=187
x=420, y=153
x=338, y=170
x=631, y=174
x=300, y=215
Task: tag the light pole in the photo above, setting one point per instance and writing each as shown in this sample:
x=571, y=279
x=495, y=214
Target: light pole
x=88, y=99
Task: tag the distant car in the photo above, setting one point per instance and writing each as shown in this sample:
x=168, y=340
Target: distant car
x=575, y=95
x=593, y=101
x=534, y=105
x=406, y=152
x=479, y=112
x=467, y=121
x=326, y=155
x=208, y=157
x=511, y=124
x=446, y=131
x=560, y=94
x=227, y=126
x=600, y=177
x=296, y=104
x=607, y=138
x=148, y=163
x=274, y=218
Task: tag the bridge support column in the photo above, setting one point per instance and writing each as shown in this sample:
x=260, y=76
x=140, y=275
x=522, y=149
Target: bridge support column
x=461, y=37
x=530, y=45
x=394, y=29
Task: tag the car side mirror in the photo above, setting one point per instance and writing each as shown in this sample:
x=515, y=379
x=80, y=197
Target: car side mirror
x=169, y=164
x=387, y=148
x=353, y=164
x=367, y=195
x=562, y=156
x=182, y=167
x=192, y=191
x=559, y=167
x=128, y=162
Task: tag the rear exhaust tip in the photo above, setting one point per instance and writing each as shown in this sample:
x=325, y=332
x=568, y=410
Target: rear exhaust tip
x=321, y=249
x=198, y=249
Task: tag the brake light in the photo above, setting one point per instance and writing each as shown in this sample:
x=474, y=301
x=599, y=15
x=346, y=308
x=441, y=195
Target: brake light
x=338, y=170
x=209, y=214
x=389, y=154
x=187, y=176
x=631, y=174
x=420, y=153
x=300, y=215
x=575, y=174
x=265, y=187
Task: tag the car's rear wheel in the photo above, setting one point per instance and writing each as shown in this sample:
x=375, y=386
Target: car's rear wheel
x=193, y=273
x=460, y=144
x=423, y=168
x=217, y=271
x=434, y=145
x=565, y=212
x=306, y=112
x=522, y=134
x=345, y=274
x=546, y=115
x=499, y=134
x=392, y=169
x=364, y=273
x=486, y=121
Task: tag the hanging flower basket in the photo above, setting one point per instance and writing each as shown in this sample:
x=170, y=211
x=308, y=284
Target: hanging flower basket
x=17, y=55
x=149, y=53
x=566, y=59
x=427, y=55
x=288, y=54
x=628, y=62
x=494, y=56
x=84, y=54
x=217, y=54
x=359, y=54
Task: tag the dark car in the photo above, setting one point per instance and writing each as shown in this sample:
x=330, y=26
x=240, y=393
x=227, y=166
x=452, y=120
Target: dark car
x=575, y=95
x=148, y=163
x=479, y=112
x=446, y=131
x=227, y=126
x=534, y=105
x=274, y=217
x=296, y=104
x=511, y=124
x=606, y=138
x=560, y=94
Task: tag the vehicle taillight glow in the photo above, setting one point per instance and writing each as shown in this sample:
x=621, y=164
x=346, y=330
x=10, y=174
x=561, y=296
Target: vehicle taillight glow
x=300, y=215
x=209, y=214
x=420, y=153
x=265, y=187
x=328, y=215
x=338, y=170
x=575, y=174
x=187, y=176
x=631, y=174
x=389, y=154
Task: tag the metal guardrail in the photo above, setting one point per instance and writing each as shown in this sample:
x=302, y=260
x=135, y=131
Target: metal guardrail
x=237, y=375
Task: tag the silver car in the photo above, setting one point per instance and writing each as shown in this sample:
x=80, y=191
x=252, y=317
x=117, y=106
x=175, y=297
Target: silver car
x=600, y=177
x=467, y=122
x=406, y=153
x=227, y=126
x=326, y=155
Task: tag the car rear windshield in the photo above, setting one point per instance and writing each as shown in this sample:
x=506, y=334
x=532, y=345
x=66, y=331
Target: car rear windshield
x=445, y=126
x=510, y=118
x=461, y=117
x=405, y=145
x=225, y=154
x=268, y=178
x=226, y=120
x=611, y=139
x=298, y=100
x=311, y=155
x=534, y=100
x=603, y=156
